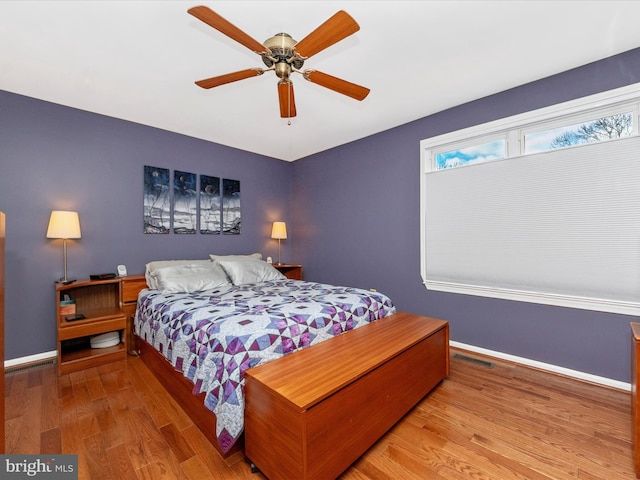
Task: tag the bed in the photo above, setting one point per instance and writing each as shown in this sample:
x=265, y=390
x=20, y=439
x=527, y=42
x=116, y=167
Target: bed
x=212, y=320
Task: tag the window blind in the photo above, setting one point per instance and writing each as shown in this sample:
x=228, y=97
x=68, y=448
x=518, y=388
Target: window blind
x=560, y=227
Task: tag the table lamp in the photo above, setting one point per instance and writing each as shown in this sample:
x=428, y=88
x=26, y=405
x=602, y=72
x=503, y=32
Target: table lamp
x=279, y=232
x=64, y=225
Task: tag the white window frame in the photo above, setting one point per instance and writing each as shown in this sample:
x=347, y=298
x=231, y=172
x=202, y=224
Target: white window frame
x=513, y=129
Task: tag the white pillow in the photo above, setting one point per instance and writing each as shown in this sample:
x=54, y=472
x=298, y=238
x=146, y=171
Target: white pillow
x=151, y=267
x=190, y=278
x=250, y=270
x=215, y=258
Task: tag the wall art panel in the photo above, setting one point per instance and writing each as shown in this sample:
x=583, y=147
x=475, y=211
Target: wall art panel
x=185, y=202
x=210, y=205
x=231, y=218
x=157, y=205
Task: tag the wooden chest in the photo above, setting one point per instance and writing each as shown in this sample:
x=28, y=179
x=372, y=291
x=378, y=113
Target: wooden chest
x=311, y=414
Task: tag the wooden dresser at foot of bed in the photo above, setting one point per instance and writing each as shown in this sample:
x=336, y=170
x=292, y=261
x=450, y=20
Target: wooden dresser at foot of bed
x=310, y=415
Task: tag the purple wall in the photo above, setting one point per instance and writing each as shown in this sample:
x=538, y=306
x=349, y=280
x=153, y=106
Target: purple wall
x=357, y=222
x=53, y=157
x=353, y=214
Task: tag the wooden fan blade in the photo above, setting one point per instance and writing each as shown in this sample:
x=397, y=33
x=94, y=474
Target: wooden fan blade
x=337, y=85
x=211, y=18
x=338, y=27
x=287, y=100
x=229, y=77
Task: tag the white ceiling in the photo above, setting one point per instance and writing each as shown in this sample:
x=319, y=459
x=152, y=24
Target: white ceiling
x=137, y=60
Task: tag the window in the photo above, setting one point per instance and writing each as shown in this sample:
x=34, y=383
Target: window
x=470, y=155
x=547, y=224
x=601, y=129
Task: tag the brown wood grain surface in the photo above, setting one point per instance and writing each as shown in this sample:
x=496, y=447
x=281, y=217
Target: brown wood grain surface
x=508, y=422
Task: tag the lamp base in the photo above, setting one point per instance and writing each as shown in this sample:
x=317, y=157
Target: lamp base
x=66, y=282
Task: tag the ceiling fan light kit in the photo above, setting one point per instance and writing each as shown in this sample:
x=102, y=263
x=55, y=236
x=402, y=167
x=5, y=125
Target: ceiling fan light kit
x=282, y=54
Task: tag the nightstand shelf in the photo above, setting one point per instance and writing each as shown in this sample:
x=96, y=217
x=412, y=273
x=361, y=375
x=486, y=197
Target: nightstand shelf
x=292, y=271
x=78, y=357
x=101, y=304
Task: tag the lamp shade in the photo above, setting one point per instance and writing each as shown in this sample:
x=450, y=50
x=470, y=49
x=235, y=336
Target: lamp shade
x=279, y=230
x=64, y=224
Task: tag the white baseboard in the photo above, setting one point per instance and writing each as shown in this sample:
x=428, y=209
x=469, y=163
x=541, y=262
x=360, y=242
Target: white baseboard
x=608, y=382
x=30, y=359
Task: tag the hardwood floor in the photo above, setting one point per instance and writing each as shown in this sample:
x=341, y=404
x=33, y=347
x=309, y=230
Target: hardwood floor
x=505, y=422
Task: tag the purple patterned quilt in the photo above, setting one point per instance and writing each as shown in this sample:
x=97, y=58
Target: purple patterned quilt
x=212, y=337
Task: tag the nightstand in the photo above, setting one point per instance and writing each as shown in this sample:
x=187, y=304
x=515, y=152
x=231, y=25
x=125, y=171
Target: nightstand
x=131, y=286
x=98, y=301
x=292, y=271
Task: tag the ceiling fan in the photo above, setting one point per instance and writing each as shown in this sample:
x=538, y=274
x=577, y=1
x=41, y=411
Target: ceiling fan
x=284, y=55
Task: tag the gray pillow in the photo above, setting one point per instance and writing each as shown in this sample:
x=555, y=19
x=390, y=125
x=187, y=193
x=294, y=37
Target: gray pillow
x=249, y=270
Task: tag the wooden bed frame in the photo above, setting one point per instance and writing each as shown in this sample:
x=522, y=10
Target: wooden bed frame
x=380, y=371
x=180, y=388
